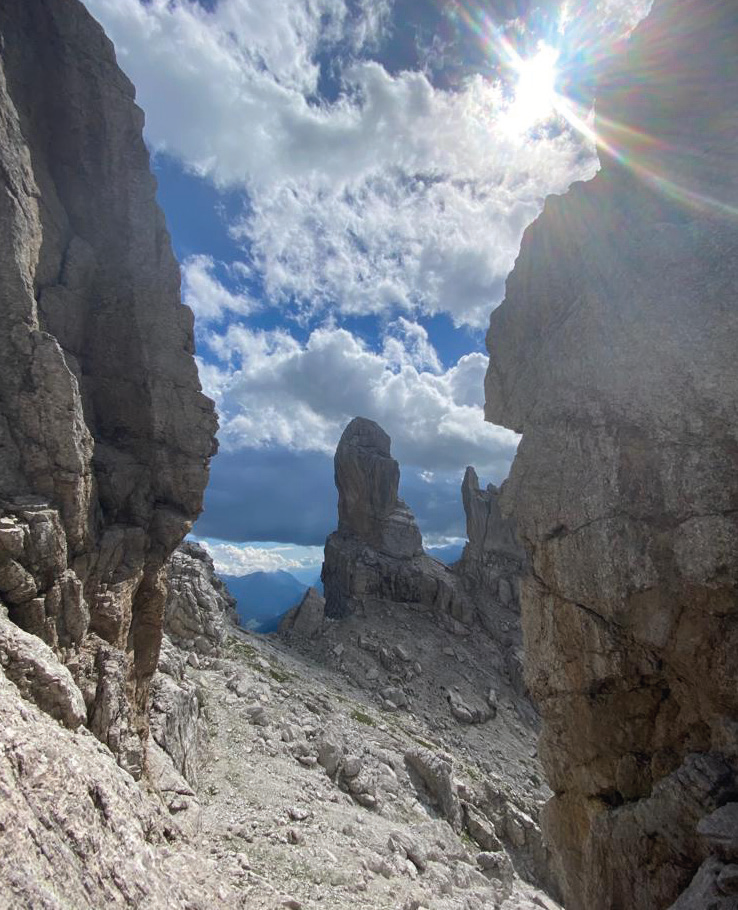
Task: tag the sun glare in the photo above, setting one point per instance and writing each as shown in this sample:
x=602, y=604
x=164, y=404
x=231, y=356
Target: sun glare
x=535, y=91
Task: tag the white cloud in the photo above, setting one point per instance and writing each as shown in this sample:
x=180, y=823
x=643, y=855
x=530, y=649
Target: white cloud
x=274, y=391
x=208, y=298
x=242, y=559
x=394, y=195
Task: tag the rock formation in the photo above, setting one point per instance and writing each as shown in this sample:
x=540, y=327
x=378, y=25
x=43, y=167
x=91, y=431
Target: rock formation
x=492, y=561
x=104, y=433
x=367, y=478
x=377, y=551
x=200, y=610
x=306, y=619
x=614, y=354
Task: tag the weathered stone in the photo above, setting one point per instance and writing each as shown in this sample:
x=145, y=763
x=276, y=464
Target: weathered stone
x=399, y=842
x=614, y=354
x=104, y=433
x=377, y=550
x=77, y=831
x=367, y=478
x=481, y=829
x=434, y=770
x=38, y=675
x=720, y=830
x=199, y=607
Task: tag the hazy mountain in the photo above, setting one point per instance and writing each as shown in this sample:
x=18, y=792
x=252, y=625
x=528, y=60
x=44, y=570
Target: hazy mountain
x=263, y=597
x=448, y=554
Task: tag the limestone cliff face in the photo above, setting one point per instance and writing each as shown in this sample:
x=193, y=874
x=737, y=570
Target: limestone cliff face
x=104, y=433
x=614, y=354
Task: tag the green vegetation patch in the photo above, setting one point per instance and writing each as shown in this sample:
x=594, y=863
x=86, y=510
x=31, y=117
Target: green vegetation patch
x=363, y=718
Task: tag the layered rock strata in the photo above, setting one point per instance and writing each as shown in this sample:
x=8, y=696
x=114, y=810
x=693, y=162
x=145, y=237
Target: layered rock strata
x=377, y=551
x=614, y=354
x=104, y=433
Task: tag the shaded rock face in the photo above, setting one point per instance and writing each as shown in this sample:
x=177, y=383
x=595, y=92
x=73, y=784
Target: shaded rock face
x=493, y=560
x=77, y=831
x=104, y=433
x=614, y=355
x=377, y=551
x=199, y=618
x=306, y=619
x=367, y=478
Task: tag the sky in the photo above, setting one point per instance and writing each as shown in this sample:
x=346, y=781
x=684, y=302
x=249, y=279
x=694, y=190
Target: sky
x=346, y=183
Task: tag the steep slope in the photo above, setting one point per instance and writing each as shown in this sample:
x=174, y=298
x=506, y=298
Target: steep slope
x=614, y=354
x=104, y=433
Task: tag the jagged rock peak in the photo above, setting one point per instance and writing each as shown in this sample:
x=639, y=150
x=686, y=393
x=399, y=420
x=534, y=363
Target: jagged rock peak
x=200, y=610
x=486, y=529
x=367, y=478
x=306, y=619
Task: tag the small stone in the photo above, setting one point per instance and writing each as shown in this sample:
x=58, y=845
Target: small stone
x=193, y=661
x=720, y=830
x=352, y=765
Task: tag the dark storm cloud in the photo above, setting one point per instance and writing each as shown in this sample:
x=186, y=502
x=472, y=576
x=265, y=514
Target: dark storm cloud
x=289, y=497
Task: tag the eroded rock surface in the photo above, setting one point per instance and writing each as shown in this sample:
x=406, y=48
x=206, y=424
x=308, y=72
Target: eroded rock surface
x=104, y=433
x=104, y=444
x=199, y=608
x=614, y=355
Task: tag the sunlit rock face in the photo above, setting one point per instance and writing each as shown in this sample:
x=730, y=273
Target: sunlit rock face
x=615, y=355
x=104, y=433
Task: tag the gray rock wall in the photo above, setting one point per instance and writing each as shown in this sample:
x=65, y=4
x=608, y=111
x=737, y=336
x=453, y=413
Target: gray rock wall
x=614, y=354
x=104, y=433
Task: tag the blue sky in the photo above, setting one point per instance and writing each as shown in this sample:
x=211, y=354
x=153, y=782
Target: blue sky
x=346, y=183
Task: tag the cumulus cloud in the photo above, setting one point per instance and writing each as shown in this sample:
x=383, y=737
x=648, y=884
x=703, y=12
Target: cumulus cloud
x=393, y=194
x=275, y=391
x=242, y=559
x=209, y=299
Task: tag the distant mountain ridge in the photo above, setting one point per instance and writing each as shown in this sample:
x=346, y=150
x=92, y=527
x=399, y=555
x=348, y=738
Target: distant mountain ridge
x=262, y=598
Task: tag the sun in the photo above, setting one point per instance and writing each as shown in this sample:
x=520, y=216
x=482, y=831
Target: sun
x=535, y=90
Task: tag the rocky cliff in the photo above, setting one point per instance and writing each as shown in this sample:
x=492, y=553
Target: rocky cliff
x=104, y=433
x=614, y=354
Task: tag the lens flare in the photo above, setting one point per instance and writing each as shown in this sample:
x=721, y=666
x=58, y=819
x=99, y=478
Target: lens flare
x=535, y=91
